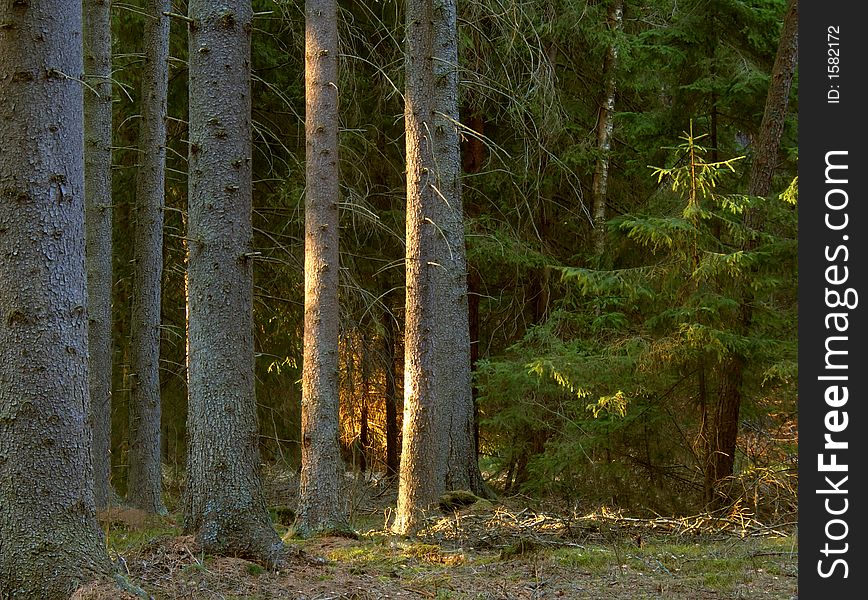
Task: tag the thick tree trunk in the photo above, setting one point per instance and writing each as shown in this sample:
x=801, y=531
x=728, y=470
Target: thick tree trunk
x=453, y=339
x=321, y=505
x=605, y=125
x=224, y=505
x=98, y=232
x=762, y=171
x=144, y=482
x=420, y=482
x=778, y=97
x=49, y=538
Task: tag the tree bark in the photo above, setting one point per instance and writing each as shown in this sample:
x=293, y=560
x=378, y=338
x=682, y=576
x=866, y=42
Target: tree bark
x=391, y=396
x=777, y=100
x=364, y=433
x=721, y=459
x=453, y=339
x=144, y=481
x=321, y=505
x=605, y=126
x=49, y=538
x=224, y=504
x=98, y=234
x=420, y=481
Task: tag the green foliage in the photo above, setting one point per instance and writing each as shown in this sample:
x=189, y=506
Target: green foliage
x=644, y=351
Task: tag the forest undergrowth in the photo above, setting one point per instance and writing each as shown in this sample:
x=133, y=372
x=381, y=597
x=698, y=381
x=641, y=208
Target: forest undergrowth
x=472, y=548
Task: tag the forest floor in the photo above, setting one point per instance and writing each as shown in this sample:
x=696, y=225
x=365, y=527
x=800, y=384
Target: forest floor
x=481, y=551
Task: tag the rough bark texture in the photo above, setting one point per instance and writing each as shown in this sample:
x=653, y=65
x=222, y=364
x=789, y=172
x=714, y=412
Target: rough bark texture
x=778, y=97
x=224, y=505
x=49, y=538
x=421, y=456
x=605, y=126
x=725, y=439
x=98, y=233
x=144, y=481
x=453, y=334
x=321, y=504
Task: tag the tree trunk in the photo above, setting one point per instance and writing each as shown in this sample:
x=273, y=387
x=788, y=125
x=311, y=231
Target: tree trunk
x=723, y=443
x=535, y=446
x=421, y=457
x=762, y=170
x=705, y=450
x=224, y=504
x=605, y=126
x=321, y=505
x=391, y=396
x=49, y=538
x=364, y=435
x=98, y=234
x=144, y=481
x=453, y=339
x=778, y=98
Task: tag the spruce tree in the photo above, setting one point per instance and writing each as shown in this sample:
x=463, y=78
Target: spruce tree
x=50, y=542
x=98, y=232
x=224, y=504
x=144, y=480
x=422, y=461
x=321, y=505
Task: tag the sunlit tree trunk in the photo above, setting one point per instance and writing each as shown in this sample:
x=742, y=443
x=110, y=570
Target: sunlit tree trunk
x=422, y=461
x=224, y=504
x=605, y=125
x=321, y=505
x=98, y=232
x=144, y=482
x=49, y=537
